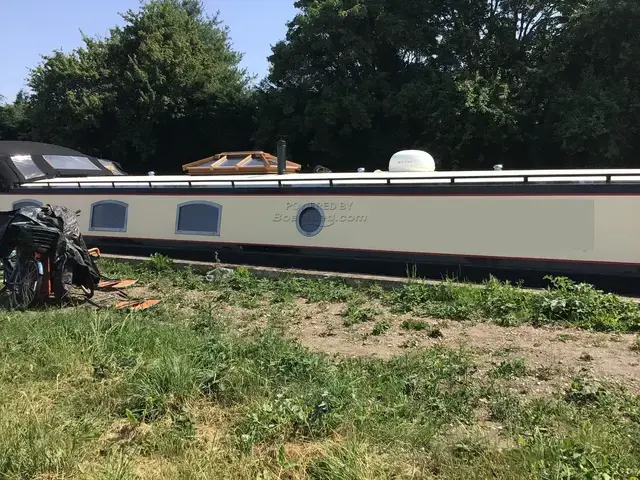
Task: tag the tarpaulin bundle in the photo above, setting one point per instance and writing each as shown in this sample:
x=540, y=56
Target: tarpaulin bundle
x=52, y=229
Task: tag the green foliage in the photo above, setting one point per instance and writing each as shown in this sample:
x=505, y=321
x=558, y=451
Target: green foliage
x=162, y=90
x=284, y=418
x=163, y=387
x=381, y=327
x=412, y=324
x=583, y=305
x=564, y=302
x=536, y=83
x=533, y=83
x=181, y=390
x=346, y=462
x=507, y=304
x=14, y=118
x=357, y=313
x=493, y=82
x=37, y=442
x=160, y=263
x=511, y=368
x=593, y=86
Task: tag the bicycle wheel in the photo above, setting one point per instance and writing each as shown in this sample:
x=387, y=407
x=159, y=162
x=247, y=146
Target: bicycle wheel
x=25, y=283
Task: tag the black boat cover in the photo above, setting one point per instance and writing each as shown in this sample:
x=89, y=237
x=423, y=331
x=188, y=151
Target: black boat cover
x=53, y=229
x=24, y=162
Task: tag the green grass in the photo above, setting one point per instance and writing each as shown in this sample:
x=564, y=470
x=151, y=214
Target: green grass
x=381, y=327
x=181, y=392
x=511, y=368
x=414, y=324
x=356, y=313
x=563, y=303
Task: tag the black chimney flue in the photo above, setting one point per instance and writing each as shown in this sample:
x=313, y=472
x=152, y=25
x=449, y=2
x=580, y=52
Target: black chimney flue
x=282, y=156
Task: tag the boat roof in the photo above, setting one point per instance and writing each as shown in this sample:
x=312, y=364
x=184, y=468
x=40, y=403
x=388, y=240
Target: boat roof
x=330, y=179
x=26, y=162
x=38, y=165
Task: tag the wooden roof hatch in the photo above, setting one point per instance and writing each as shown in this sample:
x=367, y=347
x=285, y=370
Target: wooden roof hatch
x=230, y=163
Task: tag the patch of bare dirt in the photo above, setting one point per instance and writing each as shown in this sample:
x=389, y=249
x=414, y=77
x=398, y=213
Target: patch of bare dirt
x=551, y=355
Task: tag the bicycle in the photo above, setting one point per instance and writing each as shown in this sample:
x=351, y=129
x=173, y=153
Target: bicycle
x=23, y=274
x=24, y=270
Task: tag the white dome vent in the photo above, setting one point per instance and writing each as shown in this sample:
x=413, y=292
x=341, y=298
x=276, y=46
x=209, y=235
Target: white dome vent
x=412, y=161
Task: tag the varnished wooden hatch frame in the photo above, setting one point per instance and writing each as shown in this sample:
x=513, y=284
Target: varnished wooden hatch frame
x=215, y=165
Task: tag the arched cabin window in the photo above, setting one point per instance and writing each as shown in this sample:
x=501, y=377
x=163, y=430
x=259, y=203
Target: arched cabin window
x=109, y=216
x=198, y=218
x=27, y=202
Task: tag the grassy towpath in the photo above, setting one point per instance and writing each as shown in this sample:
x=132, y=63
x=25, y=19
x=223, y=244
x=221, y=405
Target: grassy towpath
x=247, y=378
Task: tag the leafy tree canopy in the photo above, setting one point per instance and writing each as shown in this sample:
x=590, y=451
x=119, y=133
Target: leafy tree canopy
x=164, y=89
x=475, y=83
x=14, y=119
x=526, y=83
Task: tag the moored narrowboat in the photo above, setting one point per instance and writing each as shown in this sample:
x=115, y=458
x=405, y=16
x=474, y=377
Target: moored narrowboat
x=251, y=207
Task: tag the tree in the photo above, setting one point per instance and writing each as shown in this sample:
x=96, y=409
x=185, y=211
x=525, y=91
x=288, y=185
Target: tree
x=163, y=90
x=356, y=80
x=593, y=85
x=15, y=123
x=522, y=82
x=333, y=81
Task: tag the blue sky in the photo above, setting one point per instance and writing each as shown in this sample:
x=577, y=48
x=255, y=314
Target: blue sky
x=30, y=28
